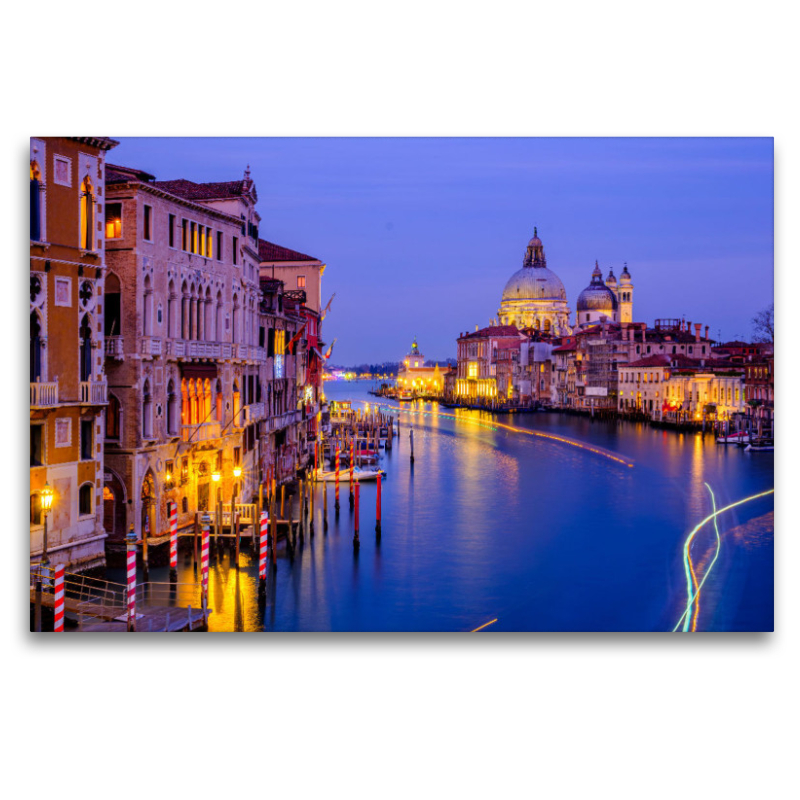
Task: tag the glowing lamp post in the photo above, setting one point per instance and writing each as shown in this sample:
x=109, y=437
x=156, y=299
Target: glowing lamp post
x=47, y=503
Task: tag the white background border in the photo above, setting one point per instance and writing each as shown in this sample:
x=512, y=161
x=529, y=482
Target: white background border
x=391, y=716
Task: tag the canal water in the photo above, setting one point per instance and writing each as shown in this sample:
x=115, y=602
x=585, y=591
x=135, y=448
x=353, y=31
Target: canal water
x=583, y=528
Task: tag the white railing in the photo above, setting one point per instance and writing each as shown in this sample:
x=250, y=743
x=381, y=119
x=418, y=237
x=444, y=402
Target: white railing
x=200, y=433
x=94, y=392
x=151, y=346
x=254, y=412
x=44, y=394
x=115, y=346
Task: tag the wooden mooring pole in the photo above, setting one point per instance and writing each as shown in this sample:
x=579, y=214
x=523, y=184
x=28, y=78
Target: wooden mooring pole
x=336, y=494
x=130, y=546
x=411, y=439
x=324, y=505
x=378, y=510
x=356, y=542
x=173, y=542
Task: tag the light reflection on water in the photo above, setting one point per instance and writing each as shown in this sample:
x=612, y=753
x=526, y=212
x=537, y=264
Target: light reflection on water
x=492, y=523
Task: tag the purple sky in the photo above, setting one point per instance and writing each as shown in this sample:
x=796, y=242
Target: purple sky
x=420, y=235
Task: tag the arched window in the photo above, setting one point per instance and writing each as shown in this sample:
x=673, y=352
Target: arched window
x=36, y=347
x=87, y=215
x=184, y=402
x=36, y=202
x=36, y=509
x=206, y=400
x=85, y=499
x=198, y=331
x=171, y=300
x=147, y=412
x=172, y=409
x=218, y=320
x=85, y=334
x=219, y=400
x=235, y=321
x=147, y=308
x=112, y=306
x=236, y=403
x=209, y=316
x=547, y=326
x=184, y=311
x=113, y=417
x=192, y=312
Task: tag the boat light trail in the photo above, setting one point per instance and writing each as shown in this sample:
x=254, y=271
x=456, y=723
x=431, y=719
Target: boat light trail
x=485, y=625
x=687, y=554
x=600, y=451
x=693, y=595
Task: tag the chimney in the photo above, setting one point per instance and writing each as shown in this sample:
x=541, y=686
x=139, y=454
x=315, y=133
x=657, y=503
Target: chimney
x=706, y=331
x=644, y=333
x=476, y=329
x=697, y=327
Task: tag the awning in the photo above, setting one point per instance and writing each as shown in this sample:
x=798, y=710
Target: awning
x=201, y=371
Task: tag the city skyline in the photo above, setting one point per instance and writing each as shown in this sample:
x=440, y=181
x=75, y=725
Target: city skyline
x=431, y=229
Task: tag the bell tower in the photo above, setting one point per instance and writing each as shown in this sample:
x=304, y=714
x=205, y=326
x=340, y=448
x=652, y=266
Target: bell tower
x=625, y=296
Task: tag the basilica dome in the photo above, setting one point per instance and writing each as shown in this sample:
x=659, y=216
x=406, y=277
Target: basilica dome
x=534, y=296
x=534, y=284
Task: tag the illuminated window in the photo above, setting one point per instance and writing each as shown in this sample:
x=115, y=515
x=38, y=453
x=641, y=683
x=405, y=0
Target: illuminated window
x=87, y=215
x=301, y=281
x=36, y=202
x=209, y=243
x=472, y=370
x=113, y=220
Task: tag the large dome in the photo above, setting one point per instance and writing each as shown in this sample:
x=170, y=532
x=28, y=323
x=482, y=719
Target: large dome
x=534, y=283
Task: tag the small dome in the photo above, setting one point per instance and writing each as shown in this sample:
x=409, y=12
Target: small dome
x=536, y=241
x=611, y=280
x=537, y=283
x=625, y=278
x=597, y=296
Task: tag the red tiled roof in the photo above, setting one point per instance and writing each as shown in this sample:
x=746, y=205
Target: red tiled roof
x=268, y=251
x=190, y=190
x=118, y=174
x=566, y=348
x=494, y=330
x=650, y=361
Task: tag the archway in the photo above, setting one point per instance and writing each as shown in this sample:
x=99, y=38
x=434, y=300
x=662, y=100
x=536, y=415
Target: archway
x=148, y=497
x=114, y=506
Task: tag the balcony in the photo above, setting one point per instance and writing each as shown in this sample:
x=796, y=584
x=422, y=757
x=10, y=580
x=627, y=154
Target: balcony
x=203, y=349
x=44, y=395
x=151, y=346
x=115, y=347
x=94, y=393
x=200, y=433
x=254, y=412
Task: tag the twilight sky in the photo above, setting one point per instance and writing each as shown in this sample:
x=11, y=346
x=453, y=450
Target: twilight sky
x=421, y=235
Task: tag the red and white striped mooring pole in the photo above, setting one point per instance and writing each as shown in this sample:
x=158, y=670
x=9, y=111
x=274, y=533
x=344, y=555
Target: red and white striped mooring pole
x=58, y=600
x=173, y=540
x=205, y=522
x=262, y=553
x=130, y=544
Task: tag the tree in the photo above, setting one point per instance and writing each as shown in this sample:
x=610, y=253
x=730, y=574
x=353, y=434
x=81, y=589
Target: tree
x=764, y=325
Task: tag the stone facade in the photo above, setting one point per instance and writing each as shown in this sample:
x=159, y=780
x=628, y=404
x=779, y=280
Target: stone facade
x=68, y=383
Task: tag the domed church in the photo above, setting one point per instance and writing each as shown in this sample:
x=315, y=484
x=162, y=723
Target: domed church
x=534, y=296
x=605, y=300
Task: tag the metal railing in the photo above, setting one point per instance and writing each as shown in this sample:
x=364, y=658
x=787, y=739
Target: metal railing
x=84, y=595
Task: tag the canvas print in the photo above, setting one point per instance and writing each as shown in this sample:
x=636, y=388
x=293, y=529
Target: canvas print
x=401, y=385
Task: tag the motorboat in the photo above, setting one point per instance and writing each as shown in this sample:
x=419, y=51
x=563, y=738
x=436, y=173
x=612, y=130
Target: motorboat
x=360, y=474
x=759, y=445
x=733, y=438
x=405, y=398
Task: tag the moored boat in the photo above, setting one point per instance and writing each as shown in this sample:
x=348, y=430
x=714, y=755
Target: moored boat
x=359, y=474
x=759, y=445
x=733, y=438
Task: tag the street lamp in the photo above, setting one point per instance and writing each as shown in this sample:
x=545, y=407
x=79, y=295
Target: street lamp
x=47, y=504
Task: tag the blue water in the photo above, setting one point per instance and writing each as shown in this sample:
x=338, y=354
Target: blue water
x=490, y=524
